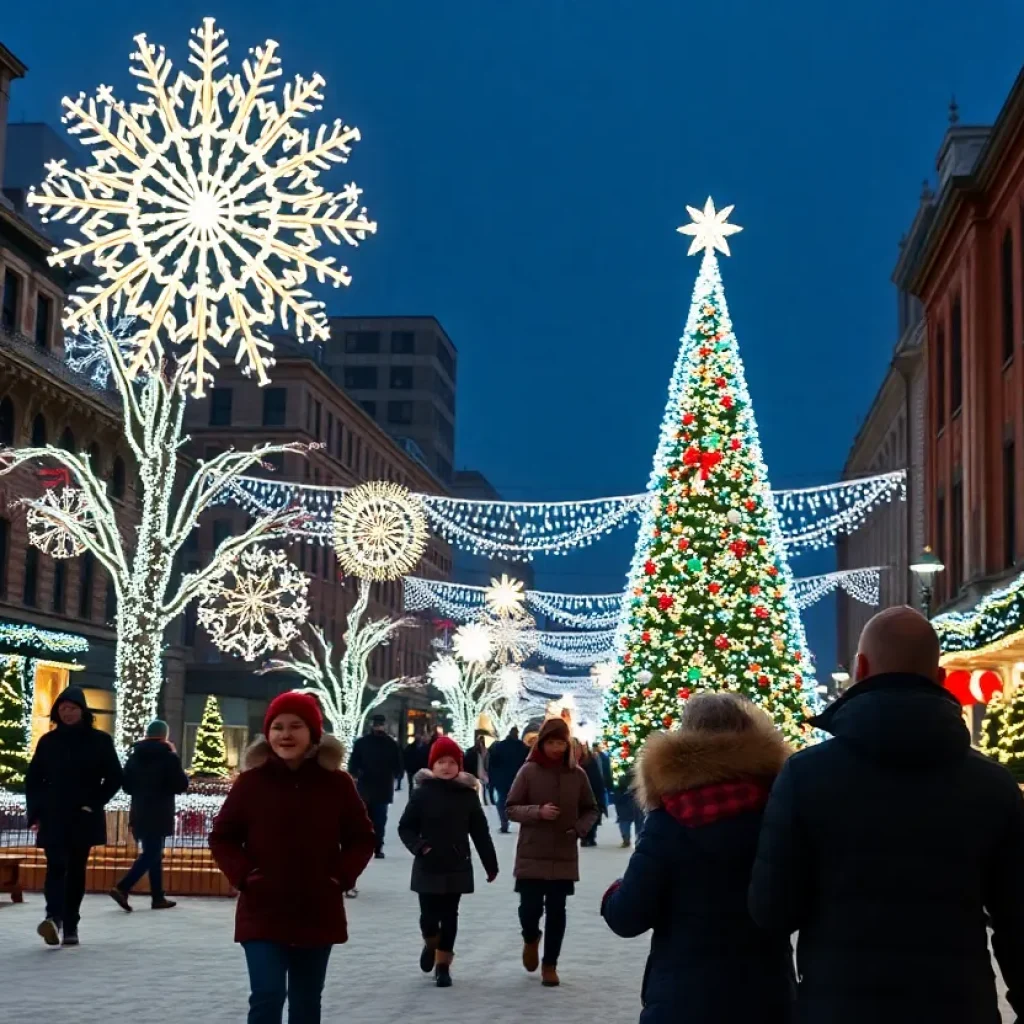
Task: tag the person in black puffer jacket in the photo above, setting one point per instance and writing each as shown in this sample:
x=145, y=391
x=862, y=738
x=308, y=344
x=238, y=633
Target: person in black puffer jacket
x=884, y=847
x=73, y=774
x=442, y=815
x=705, y=786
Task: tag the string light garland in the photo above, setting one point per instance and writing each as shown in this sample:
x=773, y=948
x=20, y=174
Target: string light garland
x=85, y=349
x=710, y=604
x=202, y=206
x=48, y=641
x=47, y=532
x=258, y=606
x=994, y=619
x=341, y=683
x=14, y=751
x=861, y=584
x=210, y=757
x=577, y=648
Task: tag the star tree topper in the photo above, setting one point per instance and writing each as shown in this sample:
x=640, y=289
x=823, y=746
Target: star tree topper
x=709, y=228
x=202, y=206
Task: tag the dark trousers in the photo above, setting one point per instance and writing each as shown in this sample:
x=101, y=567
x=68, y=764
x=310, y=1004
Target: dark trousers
x=628, y=816
x=591, y=838
x=411, y=776
x=151, y=859
x=379, y=818
x=65, y=883
x=439, y=917
x=537, y=899
x=277, y=972
x=500, y=799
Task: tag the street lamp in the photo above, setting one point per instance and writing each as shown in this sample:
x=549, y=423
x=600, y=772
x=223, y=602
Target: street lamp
x=925, y=568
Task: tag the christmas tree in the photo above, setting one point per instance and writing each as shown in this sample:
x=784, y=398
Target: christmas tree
x=709, y=604
x=1011, y=734
x=211, y=756
x=992, y=726
x=13, y=747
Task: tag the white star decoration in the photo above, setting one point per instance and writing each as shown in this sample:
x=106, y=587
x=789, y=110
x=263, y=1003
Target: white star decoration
x=709, y=228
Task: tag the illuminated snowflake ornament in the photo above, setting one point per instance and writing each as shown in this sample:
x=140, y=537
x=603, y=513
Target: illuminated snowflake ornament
x=202, y=205
x=445, y=674
x=513, y=638
x=505, y=596
x=473, y=643
x=87, y=348
x=257, y=608
x=380, y=531
x=510, y=681
x=49, y=534
x=709, y=228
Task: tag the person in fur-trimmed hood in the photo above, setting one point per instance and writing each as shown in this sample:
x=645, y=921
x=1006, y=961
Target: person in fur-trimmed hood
x=442, y=815
x=704, y=786
x=292, y=837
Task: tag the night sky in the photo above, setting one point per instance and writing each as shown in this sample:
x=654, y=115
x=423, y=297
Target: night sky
x=529, y=160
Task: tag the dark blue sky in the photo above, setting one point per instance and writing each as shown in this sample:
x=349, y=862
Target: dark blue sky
x=529, y=161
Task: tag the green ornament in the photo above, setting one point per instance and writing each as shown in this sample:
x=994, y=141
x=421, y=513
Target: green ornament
x=694, y=673
x=714, y=440
x=695, y=565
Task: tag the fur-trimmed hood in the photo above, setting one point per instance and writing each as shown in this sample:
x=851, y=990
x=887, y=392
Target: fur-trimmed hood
x=329, y=753
x=671, y=762
x=463, y=779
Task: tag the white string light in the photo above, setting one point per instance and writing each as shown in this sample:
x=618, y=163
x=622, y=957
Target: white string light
x=861, y=584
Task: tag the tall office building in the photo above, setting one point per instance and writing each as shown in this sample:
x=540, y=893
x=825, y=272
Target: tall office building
x=401, y=370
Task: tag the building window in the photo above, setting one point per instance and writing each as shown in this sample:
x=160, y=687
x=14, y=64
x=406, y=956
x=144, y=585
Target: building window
x=31, y=583
x=43, y=311
x=275, y=405
x=940, y=377
x=5, y=547
x=110, y=604
x=317, y=419
x=39, y=430
x=400, y=412
x=339, y=440
x=67, y=440
x=7, y=422
x=360, y=378
x=9, y=309
x=330, y=432
x=370, y=408
x=362, y=342
x=956, y=356
x=1009, y=504
x=403, y=343
x=446, y=393
x=401, y=378
x=220, y=407
x=60, y=578
x=348, y=448
x=445, y=358
x=118, y=477
x=956, y=541
x=94, y=457
x=1006, y=283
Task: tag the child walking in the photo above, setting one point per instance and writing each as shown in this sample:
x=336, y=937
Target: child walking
x=555, y=807
x=442, y=814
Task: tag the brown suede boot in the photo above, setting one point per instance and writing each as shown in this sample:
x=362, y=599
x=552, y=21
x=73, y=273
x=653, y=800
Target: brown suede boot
x=427, y=955
x=549, y=977
x=442, y=969
x=531, y=954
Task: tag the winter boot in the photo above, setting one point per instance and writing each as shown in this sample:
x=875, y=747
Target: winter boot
x=531, y=954
x=442, y=969
x=164, y=903
x=49, y=930
x=427, y=958
x=625, y=844
x=120, y=897
x=549, y=976
x=70, y=937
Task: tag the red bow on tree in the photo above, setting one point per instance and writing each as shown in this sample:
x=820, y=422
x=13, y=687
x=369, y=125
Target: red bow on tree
x=705, y=460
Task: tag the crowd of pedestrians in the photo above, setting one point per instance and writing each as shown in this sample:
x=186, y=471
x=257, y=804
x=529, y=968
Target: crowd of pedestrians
x=893, y=850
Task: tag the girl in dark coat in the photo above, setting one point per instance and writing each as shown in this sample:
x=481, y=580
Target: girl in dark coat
x=292, y=837
x=705, y=787
x=442, y=814
x=71, y=778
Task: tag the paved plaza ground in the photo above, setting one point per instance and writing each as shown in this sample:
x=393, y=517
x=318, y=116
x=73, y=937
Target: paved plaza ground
x=181, y=965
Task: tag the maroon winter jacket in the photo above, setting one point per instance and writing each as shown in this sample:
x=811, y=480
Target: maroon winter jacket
x=291, y=842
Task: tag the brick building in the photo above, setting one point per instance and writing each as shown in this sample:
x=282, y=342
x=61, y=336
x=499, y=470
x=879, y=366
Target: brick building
x=968, y=272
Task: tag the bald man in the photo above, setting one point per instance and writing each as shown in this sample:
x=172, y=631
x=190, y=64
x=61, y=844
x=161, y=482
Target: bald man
x=885, y=846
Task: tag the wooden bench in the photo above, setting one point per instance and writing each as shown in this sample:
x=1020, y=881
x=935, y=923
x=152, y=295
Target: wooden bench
x=10, y=877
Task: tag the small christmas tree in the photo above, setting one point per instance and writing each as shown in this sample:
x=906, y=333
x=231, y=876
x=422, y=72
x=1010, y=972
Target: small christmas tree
x=13, y=748
x=1011, y=734
x=992, y=726
x=211, y=755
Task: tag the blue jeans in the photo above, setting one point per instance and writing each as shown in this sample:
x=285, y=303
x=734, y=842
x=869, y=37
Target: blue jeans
x=277, y=971
x=500, y=799
x=151, y=859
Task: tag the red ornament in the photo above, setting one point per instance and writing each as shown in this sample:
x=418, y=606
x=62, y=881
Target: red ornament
x=671, y=508
x=959, y=684
x=726, y=401
x=721, y=641
x=627, y=658
x=624, y=750
x=714, y=588
x=762, y=680
x=799, y=655
x=646, y=693
x=666, y=601
x=761, y=542
x=624, y=729
x=645, y=636
x=773, y=570
x=735, y=444
x=688, y=418
x=657, y=532
x=798, y=680
x=738, y=548
x=720, y=382
x=704, y=351
x=667, y=721
x=755, y=590
x=761, y=612
x=683, y=544
x=683, y=693
x=623, y=703
x=755, y=667
x=691, y=457
x=650, y=568
x=751, y=504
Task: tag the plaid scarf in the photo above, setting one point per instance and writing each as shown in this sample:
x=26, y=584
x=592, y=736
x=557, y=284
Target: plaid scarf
x=705, y=805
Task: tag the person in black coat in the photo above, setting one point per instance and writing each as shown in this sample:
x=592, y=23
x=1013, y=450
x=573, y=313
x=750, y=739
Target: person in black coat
x=705, y=786
x=417, y=756
x=153, y=777
x=628, y=815
x=589, y=760
x=885, y=846
x=442, y=815
x=376, y=765
x=73, y=774
x=475, y=760
x=504, y=760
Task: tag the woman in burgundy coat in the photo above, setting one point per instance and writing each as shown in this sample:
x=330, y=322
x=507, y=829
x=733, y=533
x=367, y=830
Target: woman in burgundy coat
x=292, y=837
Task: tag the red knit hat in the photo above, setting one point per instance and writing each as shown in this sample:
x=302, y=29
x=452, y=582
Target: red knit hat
x=445, y=746
x=302, y=704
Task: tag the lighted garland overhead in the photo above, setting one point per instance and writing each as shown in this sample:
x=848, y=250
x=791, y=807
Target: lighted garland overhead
x=861, y=584
x=522, y=529
x=993, y=620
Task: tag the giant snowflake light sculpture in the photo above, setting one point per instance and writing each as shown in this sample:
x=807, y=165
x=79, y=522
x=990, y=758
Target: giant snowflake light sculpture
x=46, y=530
x=380, y=531
x=259, y=607
x=202, y=205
